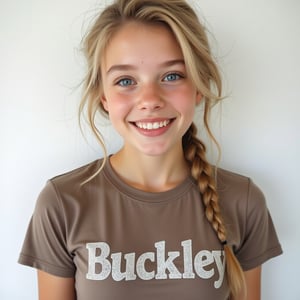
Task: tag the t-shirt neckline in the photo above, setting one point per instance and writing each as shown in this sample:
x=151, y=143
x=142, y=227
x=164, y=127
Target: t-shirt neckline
x=144, y=196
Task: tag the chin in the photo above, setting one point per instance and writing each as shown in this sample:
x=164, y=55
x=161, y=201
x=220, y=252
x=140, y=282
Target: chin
x=156, y=151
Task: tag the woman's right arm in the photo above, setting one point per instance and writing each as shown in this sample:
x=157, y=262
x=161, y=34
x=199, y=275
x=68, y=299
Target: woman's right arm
x=55, y=288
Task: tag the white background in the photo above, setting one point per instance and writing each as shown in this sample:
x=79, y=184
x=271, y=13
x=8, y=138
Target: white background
x=258, y=48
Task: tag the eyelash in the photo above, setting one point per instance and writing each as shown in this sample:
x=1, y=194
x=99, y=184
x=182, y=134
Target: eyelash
x=130, y=81
x=121, y=82
x=176, y=75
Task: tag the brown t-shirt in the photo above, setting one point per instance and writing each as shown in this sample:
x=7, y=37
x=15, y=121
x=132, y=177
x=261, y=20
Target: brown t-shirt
x=123, y=243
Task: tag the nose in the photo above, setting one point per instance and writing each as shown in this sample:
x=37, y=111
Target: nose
x=150, y=97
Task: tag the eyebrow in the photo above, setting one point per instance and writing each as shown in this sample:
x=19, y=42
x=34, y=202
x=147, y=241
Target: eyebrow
x=128, y=67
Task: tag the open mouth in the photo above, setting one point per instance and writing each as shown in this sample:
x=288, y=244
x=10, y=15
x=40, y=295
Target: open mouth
x=152, y=125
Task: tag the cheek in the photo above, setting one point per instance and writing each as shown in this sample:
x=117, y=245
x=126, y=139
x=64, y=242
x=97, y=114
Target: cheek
x=117, y=107
x=186, y=101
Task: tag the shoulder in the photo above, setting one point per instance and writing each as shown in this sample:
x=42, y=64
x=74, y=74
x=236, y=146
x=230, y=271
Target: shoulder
x=242, y=202
x=67, y=187
x=78, y=176
x=249, y=225
x=239, y=190
x=78, y=181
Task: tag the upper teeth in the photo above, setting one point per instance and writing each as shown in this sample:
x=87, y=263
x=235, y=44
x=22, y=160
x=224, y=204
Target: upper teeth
x=154, y=125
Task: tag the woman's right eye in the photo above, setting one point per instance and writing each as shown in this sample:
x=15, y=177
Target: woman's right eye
x=125, y=82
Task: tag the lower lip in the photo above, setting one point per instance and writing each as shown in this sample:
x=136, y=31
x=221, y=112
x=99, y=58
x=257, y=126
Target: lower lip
x=153, y=132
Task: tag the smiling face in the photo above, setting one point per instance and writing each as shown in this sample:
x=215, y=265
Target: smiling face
x=146, y=91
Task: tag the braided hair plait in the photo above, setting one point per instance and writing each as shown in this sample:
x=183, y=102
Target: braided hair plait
x=204, y=174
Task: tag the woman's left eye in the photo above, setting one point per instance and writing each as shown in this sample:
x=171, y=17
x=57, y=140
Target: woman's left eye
x=172, y=77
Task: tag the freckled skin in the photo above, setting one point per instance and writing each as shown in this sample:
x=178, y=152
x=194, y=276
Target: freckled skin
x=145, y=80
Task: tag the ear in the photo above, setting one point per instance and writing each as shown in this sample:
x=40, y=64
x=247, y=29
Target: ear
x=104, y=103
x=199, y=97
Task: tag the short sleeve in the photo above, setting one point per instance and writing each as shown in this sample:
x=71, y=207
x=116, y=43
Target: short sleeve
x=259, y=240
x=45, y=244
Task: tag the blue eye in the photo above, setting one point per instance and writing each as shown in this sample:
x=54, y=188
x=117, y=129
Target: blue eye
x=172, y=77
x=125, y=82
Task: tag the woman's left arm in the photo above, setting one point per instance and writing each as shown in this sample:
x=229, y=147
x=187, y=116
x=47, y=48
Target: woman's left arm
x=252, y=280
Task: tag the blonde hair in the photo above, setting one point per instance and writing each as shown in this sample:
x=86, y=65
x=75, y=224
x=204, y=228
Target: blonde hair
x=178, y=16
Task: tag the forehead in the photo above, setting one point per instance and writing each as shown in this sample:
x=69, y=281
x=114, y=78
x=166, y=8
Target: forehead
x=136, y=41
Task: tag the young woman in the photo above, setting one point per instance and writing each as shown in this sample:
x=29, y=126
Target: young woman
x=154, y=220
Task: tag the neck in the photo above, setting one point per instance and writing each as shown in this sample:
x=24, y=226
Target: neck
x=150, y=173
